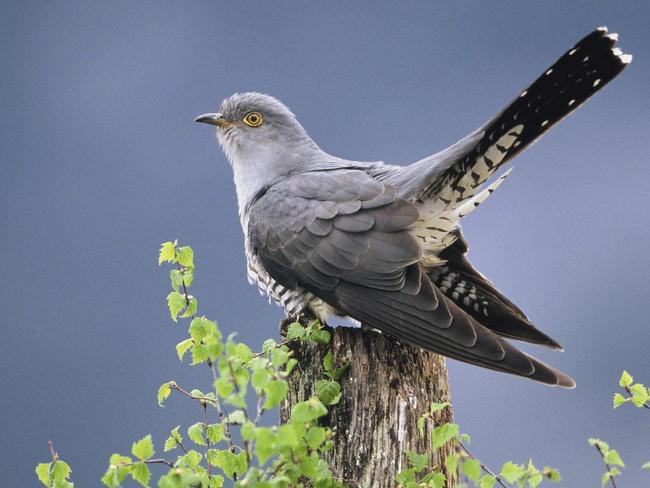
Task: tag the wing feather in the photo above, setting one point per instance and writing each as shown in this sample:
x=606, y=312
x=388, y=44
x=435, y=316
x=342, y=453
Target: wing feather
x=345, y=237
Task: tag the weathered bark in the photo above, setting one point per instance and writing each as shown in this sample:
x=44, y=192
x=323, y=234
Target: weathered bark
x=387, y=388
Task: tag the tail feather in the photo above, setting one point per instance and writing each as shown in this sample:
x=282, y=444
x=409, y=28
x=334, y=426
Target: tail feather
x=581, y=72
x=488, y=350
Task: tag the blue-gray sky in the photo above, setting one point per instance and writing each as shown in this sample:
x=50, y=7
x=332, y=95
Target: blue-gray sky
x=101, y=162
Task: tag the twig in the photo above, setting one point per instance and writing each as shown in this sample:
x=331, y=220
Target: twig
x=53, y=453
x=187, y=297
x=205, y=424
x=174, y=386
x=180, y=443
x=248, y=448
x=158, y=461
x=483, y=466
x=609, y=468
x=260, y=408
x=221, y=408
x=285, y=342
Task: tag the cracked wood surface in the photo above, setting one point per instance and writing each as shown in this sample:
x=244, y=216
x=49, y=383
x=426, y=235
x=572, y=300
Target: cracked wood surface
x=388, y=387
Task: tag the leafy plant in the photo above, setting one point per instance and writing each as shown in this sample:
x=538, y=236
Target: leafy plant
x=462, y=461
x=228, y=440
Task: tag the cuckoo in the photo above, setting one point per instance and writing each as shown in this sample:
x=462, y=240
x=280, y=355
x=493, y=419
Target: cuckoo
x=382, y=243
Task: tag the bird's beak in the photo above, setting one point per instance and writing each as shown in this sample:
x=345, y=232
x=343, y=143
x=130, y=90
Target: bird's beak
x=213, y=119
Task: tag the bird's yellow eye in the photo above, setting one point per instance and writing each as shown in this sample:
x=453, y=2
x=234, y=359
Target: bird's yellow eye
x=253, y=119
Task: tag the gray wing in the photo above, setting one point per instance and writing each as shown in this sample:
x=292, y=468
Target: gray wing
x=344, y=237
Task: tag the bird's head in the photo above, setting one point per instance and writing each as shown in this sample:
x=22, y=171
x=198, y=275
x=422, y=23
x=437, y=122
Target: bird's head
x=257, y=126
x=262, y=140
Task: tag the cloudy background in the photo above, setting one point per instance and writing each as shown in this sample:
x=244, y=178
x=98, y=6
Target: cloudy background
x=101, y=162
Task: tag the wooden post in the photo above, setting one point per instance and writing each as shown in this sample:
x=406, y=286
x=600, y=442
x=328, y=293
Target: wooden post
x=388, y=386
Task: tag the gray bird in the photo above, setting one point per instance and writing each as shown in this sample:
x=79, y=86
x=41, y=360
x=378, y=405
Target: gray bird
x=382, y=243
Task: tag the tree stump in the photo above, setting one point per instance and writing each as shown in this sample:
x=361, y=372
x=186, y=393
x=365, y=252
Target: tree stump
x=388, y=387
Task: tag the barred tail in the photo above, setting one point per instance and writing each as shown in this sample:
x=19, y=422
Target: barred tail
x=577, y=75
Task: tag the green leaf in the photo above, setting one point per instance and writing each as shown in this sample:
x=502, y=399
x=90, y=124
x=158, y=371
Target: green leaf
x=163, y=393
x=279, y=356
x=215, y=433
x=268, y=345
x=442, y=434
x=223, y=386
x=315, y=437
x=328, y=362
x=320, y=336
x=243, y=352
x=451, y=463
x=421, y=424
x=535, y=480
x=191, y=307
x=176, y=279
x=612, y=457
x=201, y=327
x=227, y=461
x=436, y=407
x=195, y=432
x=406, y=477
x=276, y=391
x=167, y=253
x=191, y=459
x=308, y=411
x=552, y=474
x=296, y=331
x=236, y=417
x=487, y=481
x=43, y=473
x=185, y=256
x=472, y=469
x=435, y=480
x=183, y=346
x=619, y=400
x=511, y=472
x=417, y=461
x=639, y=394
x=118, y=459
x=626, y=379
x=291, y=363
x=175, y=303
x=287, y=436
x=140, y=473
x=261, y=378
x=646, y=465
x=609, y=474
x=199, y=354
x=173, y=440
x=329, y=392
x=265, y=445
x=115, y=475
x=188, y=276
x=143, y=449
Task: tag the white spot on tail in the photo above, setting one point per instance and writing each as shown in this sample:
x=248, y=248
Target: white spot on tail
x=572, y=52
x=572, y=101
x=545, y=123
x=523, y=94
x=597, y=82
x=626, y=58
x=549, y=72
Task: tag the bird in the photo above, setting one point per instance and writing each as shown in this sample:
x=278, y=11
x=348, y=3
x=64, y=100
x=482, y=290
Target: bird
x=382, y=243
